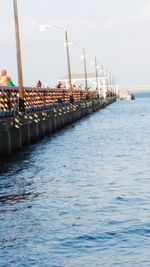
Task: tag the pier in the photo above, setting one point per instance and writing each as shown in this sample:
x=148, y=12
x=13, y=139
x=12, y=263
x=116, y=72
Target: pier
x=28, y=114
x=46, y=111
x=74, y=152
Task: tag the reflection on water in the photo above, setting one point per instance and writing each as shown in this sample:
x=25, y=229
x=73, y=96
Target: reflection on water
x=18, y=157
x=82, y=196
x=16, y=198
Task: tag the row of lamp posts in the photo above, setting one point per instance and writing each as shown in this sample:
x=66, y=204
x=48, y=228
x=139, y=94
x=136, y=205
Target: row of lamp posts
x=43, y=28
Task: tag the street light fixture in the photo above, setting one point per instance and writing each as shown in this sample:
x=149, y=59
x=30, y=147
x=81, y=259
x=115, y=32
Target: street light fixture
x=114, y=84
x=85, y=68
x=19, y=63
x=85, y=65
x=111, y=82
x=104, y=81
x=108, y=80
x=96, y=73
x=46, y=27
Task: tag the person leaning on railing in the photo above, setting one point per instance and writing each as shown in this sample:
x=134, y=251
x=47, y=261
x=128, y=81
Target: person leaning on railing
x=5, y=80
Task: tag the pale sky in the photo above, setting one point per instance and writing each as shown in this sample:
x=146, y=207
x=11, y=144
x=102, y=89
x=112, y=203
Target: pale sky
x=115, y=31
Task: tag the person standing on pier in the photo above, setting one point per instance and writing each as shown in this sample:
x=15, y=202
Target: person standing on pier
x=38, y=84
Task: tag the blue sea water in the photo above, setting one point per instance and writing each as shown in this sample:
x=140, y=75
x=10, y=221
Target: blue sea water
x=81, y=197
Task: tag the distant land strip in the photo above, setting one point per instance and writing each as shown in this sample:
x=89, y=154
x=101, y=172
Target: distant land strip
x=136, y=89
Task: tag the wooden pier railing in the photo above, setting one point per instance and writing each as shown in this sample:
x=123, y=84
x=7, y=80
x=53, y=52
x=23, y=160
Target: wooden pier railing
x=39, y=97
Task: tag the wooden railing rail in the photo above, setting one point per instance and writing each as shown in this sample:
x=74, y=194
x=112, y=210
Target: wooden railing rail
x=40, y=97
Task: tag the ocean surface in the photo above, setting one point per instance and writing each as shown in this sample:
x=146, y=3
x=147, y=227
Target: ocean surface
x=81, y=198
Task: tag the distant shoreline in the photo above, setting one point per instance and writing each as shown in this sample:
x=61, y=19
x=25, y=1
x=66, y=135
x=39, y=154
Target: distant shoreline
x=136, y=89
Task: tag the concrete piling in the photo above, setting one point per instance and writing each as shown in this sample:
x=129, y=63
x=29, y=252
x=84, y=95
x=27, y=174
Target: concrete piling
x=5, y=141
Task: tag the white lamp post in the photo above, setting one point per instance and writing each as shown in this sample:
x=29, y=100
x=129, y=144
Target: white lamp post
x=96, y=71
x=84, y=59
x=96, y=74
x=46, y=27
x=85, y=68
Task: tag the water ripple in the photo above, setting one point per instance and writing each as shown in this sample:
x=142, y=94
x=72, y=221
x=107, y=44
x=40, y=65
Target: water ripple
x=81, y=197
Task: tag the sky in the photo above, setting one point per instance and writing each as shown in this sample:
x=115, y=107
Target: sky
x=116, y=32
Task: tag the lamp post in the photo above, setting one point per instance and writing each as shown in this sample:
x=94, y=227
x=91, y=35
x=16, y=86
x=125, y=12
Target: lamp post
x=108, y=80
x=85, y=69
x=114, y=85
x=111, y=83
x=105, y=83
x=19, y=63
x=84, y=60
x=106, y=76
x=96, y=74
x=45, y=27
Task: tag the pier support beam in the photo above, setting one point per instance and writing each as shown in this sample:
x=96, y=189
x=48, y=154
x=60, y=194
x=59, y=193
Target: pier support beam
x=5, y=141
x=16, y=132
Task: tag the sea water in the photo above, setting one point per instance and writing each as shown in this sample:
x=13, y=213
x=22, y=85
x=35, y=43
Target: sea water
x=81, y=197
